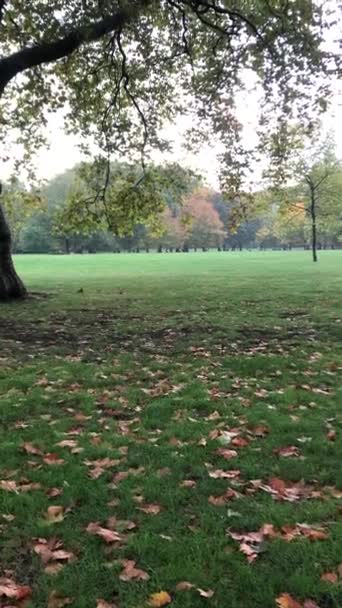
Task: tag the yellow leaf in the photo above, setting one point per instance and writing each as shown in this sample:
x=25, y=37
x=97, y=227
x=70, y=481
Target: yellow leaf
x=157, y=600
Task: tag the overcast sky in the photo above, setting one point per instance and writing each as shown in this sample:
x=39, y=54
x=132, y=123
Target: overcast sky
x=63, y=152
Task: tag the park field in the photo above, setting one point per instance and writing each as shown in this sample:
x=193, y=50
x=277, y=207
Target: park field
x=171, y=432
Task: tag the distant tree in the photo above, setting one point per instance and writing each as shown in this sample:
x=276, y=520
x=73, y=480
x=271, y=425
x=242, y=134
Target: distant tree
x=317, y=193
x=206, y=228
x=283, y=227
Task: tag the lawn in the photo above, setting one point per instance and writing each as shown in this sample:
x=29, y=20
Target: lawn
x=172, y=423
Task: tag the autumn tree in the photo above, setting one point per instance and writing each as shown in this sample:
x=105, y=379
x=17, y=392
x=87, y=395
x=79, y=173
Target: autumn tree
x=174, y=230
x=205, y=226
x=122, y=69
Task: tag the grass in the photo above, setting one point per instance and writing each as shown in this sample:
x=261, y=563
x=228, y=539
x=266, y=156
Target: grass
x=148, y=360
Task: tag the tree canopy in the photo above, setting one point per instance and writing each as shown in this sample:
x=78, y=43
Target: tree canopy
x=120, y=70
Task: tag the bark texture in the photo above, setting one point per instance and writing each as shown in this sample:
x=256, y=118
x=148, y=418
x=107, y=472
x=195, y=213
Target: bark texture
x=11, y=286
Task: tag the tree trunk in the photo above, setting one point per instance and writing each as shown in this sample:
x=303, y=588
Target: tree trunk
x=11, y=286
x=313, y=225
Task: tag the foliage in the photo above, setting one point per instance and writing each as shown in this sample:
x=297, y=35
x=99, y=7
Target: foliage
x=129, y=196
x=122, y=70
x=206, y=227
x=19, y=204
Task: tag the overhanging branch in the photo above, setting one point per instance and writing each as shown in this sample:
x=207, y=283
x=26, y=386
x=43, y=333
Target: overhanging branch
x=47, y=52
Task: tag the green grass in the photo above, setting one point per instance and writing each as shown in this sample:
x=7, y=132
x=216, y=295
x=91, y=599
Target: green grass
x=132, y=368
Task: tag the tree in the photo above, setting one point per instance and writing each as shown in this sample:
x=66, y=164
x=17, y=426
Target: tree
x=121, y=69
x=283, y=226
x=19, y=204
x=174, y=230
x=317, y=194
x=206, y=228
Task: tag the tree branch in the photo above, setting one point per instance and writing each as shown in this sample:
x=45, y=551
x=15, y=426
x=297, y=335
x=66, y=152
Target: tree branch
x=2, y=6
x=46, y=52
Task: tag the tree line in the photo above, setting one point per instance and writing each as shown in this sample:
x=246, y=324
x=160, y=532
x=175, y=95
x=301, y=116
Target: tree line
x=191, y=216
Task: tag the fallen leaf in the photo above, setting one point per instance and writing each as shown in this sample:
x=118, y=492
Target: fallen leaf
x=10, y=589
x=68, y=443
x=131, y=572
x=240, y=442
x=208, y=594
x=157, y=600
x=9, y=486
x=329, y=577
x=225, y=437
x=219, y=501
x=287, y=601
x=288, y=451
x=52, y=459
x=259, y=431
x=331, y=435
x=51, y=549
x=104, y=604
x=53, y=568
x=226, y=453
x=188, y=483
x=55, y=514
x=152, y=509
x=53, y=492
x=184, y=586
x=310, y=604
x=108, y=535
x=31, y=449
x=221, y=474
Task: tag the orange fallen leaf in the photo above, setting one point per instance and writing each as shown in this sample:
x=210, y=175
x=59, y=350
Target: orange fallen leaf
x=157, y=600
x=285, y=600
